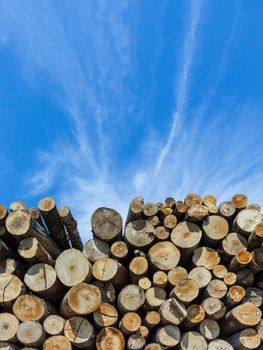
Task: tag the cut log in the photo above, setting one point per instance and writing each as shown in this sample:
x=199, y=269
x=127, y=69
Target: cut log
x=35, y=214
x=230, y=279
x=130, y=323
x=164, y=256
x=57, y=342
x=150, y=209
x=164, y=211
x=13, y=266
x=209, y=200
x=255, y=239
x=17, y=205
x=160, y=279
x=82, y=299
x=201, y=276
x=8, y=327
x=106, y=224
x=239, y=201
x=195, y=315
x=162, y=233
x=215, y=229
x=152, y=319
x=107, y=291
x=192, y=199
x=206, y=257
x=8, y=346
x=136, y=342
x=180, y=209
x=131, y=298
x=260, y=329
x=168, y=336
x=214, y=308
x=145, y=283
x=193, y=341
x=219, y=271
x=96, y=249
x=140, y=234
x=73, y=267
x=31, y=333
x=153, y=346
x=216, y=289
x=247, y=220
x=255, y=206
x=155, y=297
x=256, y=264
x=185, y=291
x=143, y=331
x=176, y=275
x=233, y=244
x=119, y=250
x=240, y=261
x=227, y=210
x=71, y=226
x=219, y=344
x=10, y=289
x=50, y=214
x=172, y=312
x=110, y=338
x=7, y=238
x=135, y=209
x=209, y=329
x=138, y=268
x=197, y=213
x=170, y=221
x=3, y=214
x=31, y=308
x=80, y=332
x=254, y=295
x=245, y=340
x=42, y=280
x=245, y=278
x=54, y=325
x=33, y=252
x=20, y=224
x=109, y=270
x=106, y=315
x=235, y=295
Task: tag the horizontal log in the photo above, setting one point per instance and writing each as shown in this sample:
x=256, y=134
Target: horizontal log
x=216, y=289
x=9, y=327
x=130, y=323
x=176, y=275
x=219, y=271
x=58, y=342
x=110, y=338
x=54, y=325
x=206, y=257
x=35, y=214
x=33, y=252
x=193, y=199
x=135, y=209
x=95, y=249
x=140, y=234
x=3, y=214
x=239, y=201
x=215, y=229
x=201, y=276
x=138, y=268
x=240, y=261
x=160, y=279
x=195, y=315
x=180, y=209
x=227, y=210
x=209, y=329
x=168, y=336
x=162, y=233
x=119, y=250
x=155, y=297
x=185, y=291
x=71, y=226
x=214, y=308
x=31, y=333
x=197, y=213
x=255, y=239
x=245, y=340
x=10, y=289
x=219, y=344
x=164, y=256
x=17, y=205
x=209, y=200
x=106, y=315
x=80, y=332
x=150, y=209
x=235, y=295
x=136, y=342
x=14, y=267
x=106, y=224
x=152, y=319
x=110, y=270
x=107, y=290
x=245, y=278
x=8, y=346
x=247, y=220
x=7, y=252
x=193, y=340
x=170, y=221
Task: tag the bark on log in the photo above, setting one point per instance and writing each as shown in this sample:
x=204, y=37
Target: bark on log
x=31, y=333
x=247, y=220
x=193, y=341
x=180, y=209
x=195, y=315
x=170, y=201
x=35, y=214
x=214, y=308
x=233, y=244
x=8, y=346
x=131, y=298
x=138, y=268
x=245, y=340
x=245, y=278
x=209, y=329
x=54, y=325
x=80, y=332
x=8, y=327
x=140, y=234
x=164, y=256
x=168, y=336
x=227, y=210
x=155, y=297
x=50, y=214
x=176, y=275
x=254, y=295
x=186, y=291
x=6, y=252
x=130, y=323
x=3, y=214
x=201, y=276
x=13, y=266
x=255, y=239
x=107, y=290
x=240, y=261
x=110, y=338
x=206, y=257
x=96, y=249
x=152, y=319
x=239, y=201
x=10, y=289
x=172, y=312
x=106, y=315
x=109, y=270
x=215, y=229
x=135, y=209
x=256, y=264
x=33, y=252
x=71, y=226
x=57, y=342
x=107, y=224
x=119, y=250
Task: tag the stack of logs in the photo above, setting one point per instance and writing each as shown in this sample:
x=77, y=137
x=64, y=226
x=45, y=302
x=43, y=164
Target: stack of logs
x=179, y=275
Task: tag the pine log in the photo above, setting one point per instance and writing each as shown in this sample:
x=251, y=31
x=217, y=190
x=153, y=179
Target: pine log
x=96, y=249
x=50, y=214
x=245, y=340
x=12, y=266
x=227, y=210
x=71, y=226
x=255, y=239
x=254, y=295
x=230, y=279
x=130, y=323
x=73, y=267
x=42, y=280
x=119, y=250
x=172, y=312
x=143, y=331
x=197, y=213
x=150, y=209
x=57, y=342
x=136, y=342
x=154, y=220
x=215, y=229
x=195, y=315
x=180, y=209
x=193, y=341
x=260, y=329
x=110, y=338
x=10, y=289
x=209, y=329
x=206, y=257
x=240, y=261
x=214, y=308
x=160, y=279
x=245, y=278
x=255, y=206
x=140, y=234
x=239, y=201
x=176, y=275
x=164, y=211
x=33, y=252
x=7, y=252
x=219, y=344
x=107, y=290
x=153, y=346
x=31, y=308
x=135, y=209
x=201, y=276
x=131, y=298
x=106, y=315
x=8, y=327
x=168, y=336
x=155, y=297
x=82, y=299
x=170, y=201
x=20, y=224
x=256, y=264
x=162, y=233
x=185, y=291
x=219, y=271
x=193, y=199
x=17, y=205
x=209, y=200
x=138, y=268
x=216, y=289
x=54, y=325
x=8, y=346
x=247, y=220
x=164, y=256
x=7, y=238
x=110, y=270
x=235, y=295
x=80, y=332
x=31, y=333
x=106, y=224
x=35, y=214
x=3, y=214
x=152, y=319
x=233, y=244
x=145, y=283
x=170, y=221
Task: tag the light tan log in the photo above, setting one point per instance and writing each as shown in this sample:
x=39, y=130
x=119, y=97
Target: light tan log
x=233, y=244
x=3, y=214
x=197, y=213
x=193, y=341
x=150, y=209
x=82, y=299
x=160, y=279
x=20, y=224
x=209, y=329
x=136, y=342
x=145, y=283
x=143, y=331
x=96, y=249
x=17, y=205
x=130, y=323
x=255, y=239
x=153, y=346
x=240, y=317
x=138, y=268
x=193, y=199
x=110, y=338
x=212, y=209
x=106, y=224
x=215, y=229
x=245, y=340
x=245, y=278
x=170, y=201
x=80, y=332
x=42, y=280
x=154, y=220
x=180, y=209
x=71, y=226
x=219, y=271
x=255, y=206
x=162, y=233
x=35, y=214
x=206, y=257
x=7, y=252
x=13, y=266
x=227, y=210
x=135, y=209
x=254, y=295
x=214, y=308
x=152, y=319
x=31, y=333
x=54, y=325
x=247, y=220
x=33, y=252
x=119, y=250
x=216, y=289
x=170, y=221
x=256, y=264
x=8, y=327
x=10, y=288
x=106, y=315
x=31, y=308
x=176, y=275
x=185, y=291
x=155, y=296
x=110, y=270
x=140, y=234
x=164, y=256
x=168, y=336
x=239, y=201
x=201, y=276
x=165, y=210
x=131, y=298
x=240, y=261
x=219, y=344
x=73, y=267
x=259, y=329
x=8, y=346
x=57, y=342
x=172, y=312
x=235, y=295
x=230, y=279
x=209, y=200
x=107, y=291
x=195, y=315
x=50, y=214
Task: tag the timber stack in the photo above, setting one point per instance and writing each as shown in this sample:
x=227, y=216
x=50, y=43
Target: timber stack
x=184, y=275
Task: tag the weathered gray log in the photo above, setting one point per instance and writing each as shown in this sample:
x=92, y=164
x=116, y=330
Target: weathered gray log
x=140, y=234
x=201, y=276
x=245, y=340
x=219, y=344
x=106, y=224
x=135, y=209
x=216, y=289
x=193, y=341
x=31, y=333
x=215, y=229
x=33, y=252
x=172, y=312
x=209, y=329
x=254, y=295
x=80, y=332
x=131, y=298
x=107, y=290
x=168, y=336
x=58, y=342
x=247, y=220
x=95, y=249
x=164, y=256
x=214, y=308
x=71, y=226
x=233, y=244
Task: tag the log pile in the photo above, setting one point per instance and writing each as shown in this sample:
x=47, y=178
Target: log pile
x=184, y=275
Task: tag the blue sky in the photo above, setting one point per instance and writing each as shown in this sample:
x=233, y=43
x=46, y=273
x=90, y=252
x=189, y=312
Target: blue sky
x=104, y=100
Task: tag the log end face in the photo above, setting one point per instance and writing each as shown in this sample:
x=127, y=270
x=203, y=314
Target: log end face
x=18, y=222
x=46, y=204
